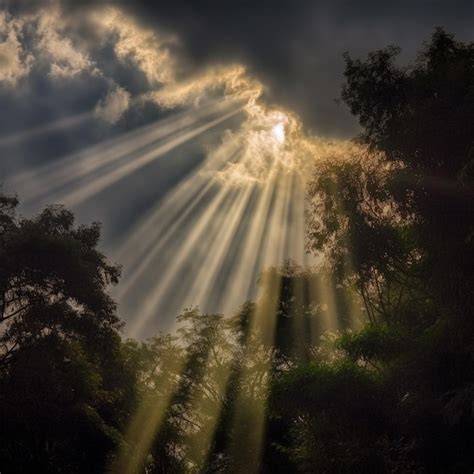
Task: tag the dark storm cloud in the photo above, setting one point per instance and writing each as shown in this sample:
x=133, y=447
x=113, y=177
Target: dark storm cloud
x=39, y=99
x=294, y=47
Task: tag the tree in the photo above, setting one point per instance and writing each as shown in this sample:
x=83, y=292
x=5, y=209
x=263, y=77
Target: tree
x=396, y=220
x=65, y=386
x=421, y=119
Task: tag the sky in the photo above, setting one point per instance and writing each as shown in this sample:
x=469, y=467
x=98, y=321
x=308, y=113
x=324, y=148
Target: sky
x=188, y=128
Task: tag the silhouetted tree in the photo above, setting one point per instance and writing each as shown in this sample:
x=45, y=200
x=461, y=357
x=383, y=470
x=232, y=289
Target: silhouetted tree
x=396, y=220
x=65, y=391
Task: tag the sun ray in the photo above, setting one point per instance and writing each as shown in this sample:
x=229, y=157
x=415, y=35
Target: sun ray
x=170, y=213
x=248, y=438
x=186, y=249
x=96, y=186
x=223, y=234
x=255, y=240
x=201, y=445
x=296, y=252
x=148, y=253
x=295, y=248
x=228, y=226
x=210, y=271
x=322, y=293
x=53, y=178
x=275, y=247
x=61, y=124
x=145, y=424
x=214, y=370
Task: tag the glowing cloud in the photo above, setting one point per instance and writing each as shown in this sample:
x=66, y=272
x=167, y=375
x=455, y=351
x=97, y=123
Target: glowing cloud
x=113, y=106
x=15, y=63
x=131, y=42
x=66, y=59
x=278, y=131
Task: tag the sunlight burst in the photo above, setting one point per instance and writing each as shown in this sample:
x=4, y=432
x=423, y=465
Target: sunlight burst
x=278, y=131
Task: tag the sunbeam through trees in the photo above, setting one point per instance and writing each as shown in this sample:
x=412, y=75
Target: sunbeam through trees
x=275, y=300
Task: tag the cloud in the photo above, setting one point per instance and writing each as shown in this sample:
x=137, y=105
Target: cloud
x=66, y=61
x=115, y=104
x=181, y=53
x=231, y=82
x=295, y=48
x=143, y=47
x=15, y=62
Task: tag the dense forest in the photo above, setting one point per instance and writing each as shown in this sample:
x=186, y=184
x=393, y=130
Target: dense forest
x=389, y=389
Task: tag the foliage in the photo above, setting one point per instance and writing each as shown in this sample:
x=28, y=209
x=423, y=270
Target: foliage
x=396, y=221
x=65, y=390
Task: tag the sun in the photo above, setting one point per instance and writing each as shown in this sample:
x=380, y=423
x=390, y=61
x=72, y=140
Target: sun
x=278, y=132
